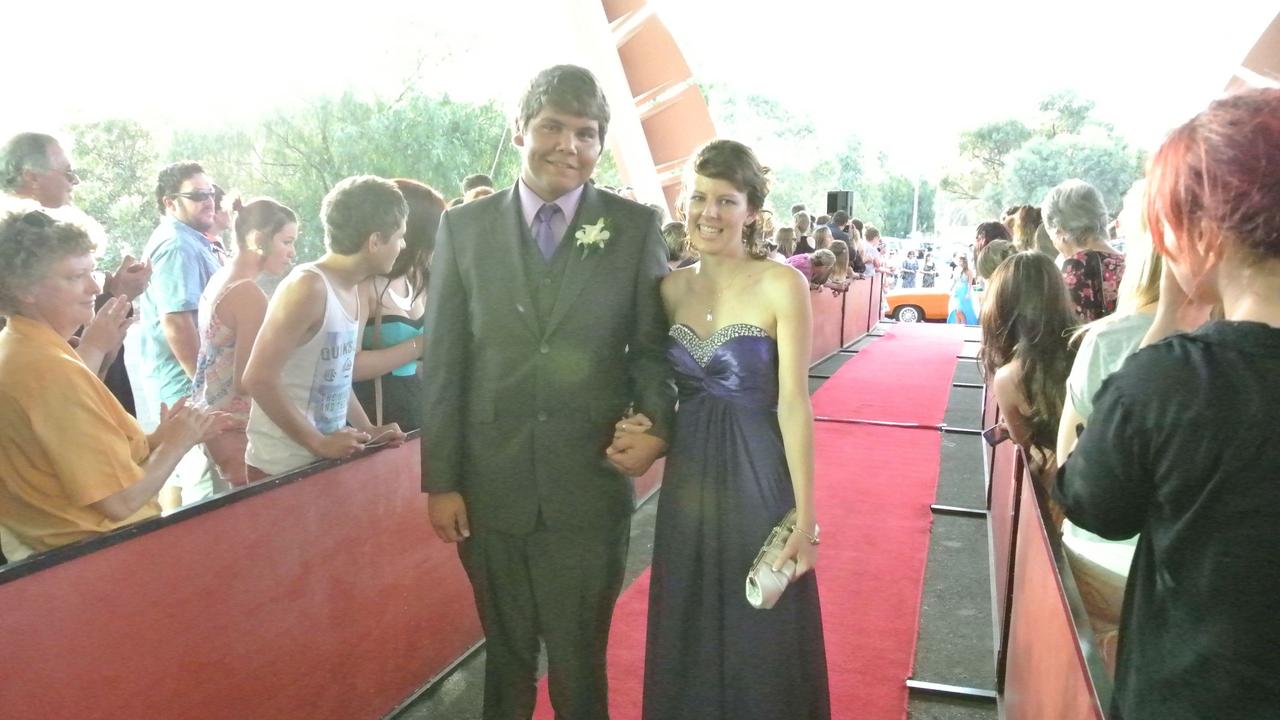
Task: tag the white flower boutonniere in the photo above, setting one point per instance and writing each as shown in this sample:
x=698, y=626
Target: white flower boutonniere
x=592, y=236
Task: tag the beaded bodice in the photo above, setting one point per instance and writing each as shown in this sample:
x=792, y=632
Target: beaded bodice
x=738, y=363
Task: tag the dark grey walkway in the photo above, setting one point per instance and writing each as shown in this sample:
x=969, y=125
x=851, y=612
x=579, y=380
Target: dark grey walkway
x=955, y=621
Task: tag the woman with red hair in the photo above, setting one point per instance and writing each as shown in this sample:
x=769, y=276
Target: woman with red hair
x=1183, y=444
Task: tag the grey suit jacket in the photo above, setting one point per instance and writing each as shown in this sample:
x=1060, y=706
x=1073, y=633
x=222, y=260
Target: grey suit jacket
x=519, y=408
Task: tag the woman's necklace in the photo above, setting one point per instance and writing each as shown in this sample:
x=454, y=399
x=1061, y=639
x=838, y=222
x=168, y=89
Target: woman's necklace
x=715, y=297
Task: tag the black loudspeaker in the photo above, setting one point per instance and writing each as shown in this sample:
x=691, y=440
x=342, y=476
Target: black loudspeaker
x=840, y=200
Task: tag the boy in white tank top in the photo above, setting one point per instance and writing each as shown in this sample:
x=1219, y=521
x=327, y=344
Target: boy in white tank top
x=299, y=373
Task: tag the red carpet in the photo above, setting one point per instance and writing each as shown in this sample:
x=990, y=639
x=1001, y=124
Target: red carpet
x=875, y=485
x=904, y=376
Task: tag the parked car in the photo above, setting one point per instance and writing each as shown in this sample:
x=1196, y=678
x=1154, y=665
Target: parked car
x=912, y=305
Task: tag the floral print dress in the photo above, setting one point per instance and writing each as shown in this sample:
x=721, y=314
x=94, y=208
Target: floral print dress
x=1093, y=282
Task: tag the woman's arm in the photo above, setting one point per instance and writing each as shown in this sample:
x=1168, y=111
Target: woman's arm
x=376, y=363
x=1067, y=429
x=1013, y=404
x=180, y=429
x=787, y=292
x=1176, y=312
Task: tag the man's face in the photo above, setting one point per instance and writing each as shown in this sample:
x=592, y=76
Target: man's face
x=193, y=203
x=386, y=250
x=52, y=187
x=559, y=152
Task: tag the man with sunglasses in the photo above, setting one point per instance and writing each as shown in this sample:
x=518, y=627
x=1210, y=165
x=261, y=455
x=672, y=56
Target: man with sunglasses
x=182, y=261
x=34, y=167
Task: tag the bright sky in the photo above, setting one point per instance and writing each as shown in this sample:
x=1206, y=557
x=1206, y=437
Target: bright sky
x=907, y=77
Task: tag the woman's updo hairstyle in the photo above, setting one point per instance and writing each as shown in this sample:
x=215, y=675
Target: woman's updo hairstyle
x=737, y=165
x=262, y=215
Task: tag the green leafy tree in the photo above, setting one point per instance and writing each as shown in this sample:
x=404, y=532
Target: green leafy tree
x=1106, y=162
x=983, y=151
x=117, y=162
x=1007, y=163
x=1065, y=113
x=296, y=155
x=898, y=195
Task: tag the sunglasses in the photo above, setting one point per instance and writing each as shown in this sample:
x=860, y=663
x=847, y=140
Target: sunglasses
x=196, y=196
x=37, y=219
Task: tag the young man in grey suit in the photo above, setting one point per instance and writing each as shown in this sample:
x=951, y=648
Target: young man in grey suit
x=544, y=325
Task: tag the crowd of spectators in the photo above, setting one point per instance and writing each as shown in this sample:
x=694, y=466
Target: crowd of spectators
x=238, y=365
x=1138, y=384
x=226, y=378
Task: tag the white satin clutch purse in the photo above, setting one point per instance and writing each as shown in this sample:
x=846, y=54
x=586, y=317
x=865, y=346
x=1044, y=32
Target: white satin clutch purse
x=764, y=584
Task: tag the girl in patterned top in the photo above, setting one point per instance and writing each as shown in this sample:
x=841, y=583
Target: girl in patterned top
x=231, y=310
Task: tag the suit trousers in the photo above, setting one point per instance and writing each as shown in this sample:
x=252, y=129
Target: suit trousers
x=557, y=585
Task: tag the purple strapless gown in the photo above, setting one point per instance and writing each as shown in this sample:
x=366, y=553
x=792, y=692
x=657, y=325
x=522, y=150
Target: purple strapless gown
x=710, y=655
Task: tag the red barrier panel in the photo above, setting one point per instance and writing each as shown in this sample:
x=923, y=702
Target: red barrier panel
x=857, y=304
x=827, y=308
x=326, y=597
x=1046, y=676
x=323, y=594
x=1006, y=480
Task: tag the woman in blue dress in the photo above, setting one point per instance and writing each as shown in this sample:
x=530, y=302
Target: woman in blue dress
x=740, y=459
x=961, y=308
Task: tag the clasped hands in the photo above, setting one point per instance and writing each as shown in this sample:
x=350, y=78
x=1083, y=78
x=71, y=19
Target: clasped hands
x=633, y=449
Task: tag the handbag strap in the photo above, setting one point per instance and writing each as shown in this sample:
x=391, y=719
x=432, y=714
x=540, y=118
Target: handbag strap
x=377, y=340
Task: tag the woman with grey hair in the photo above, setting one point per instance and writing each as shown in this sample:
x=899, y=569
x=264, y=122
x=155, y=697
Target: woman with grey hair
x=73, y=462
x=1076, y=219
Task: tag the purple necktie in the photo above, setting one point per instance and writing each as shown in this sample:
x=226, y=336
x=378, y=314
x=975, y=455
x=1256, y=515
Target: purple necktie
x=542, y=232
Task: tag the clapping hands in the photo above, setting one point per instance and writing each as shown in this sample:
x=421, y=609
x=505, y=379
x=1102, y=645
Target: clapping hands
x=130, y=279
x=633, y=449
x=186, y=425
x=105, y=332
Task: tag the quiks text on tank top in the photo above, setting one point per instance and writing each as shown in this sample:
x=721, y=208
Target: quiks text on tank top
x=317, y=380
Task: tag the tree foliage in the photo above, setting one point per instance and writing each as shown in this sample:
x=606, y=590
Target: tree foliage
x=295, y=155
x=897, y=197
x=1008, y=163
x=117, y=163
x=786, y=140
x=1104, y=161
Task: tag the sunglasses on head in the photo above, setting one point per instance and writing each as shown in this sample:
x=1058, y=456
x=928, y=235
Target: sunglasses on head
x=37, y=219
x=196, y=195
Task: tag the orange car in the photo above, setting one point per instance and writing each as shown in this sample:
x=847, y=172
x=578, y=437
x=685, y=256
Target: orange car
x=914, y=305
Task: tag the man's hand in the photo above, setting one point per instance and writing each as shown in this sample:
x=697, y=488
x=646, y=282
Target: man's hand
x=633, y=450
x=448, y=513
x=130, y=279
x=388, y=434
x=341, y=444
